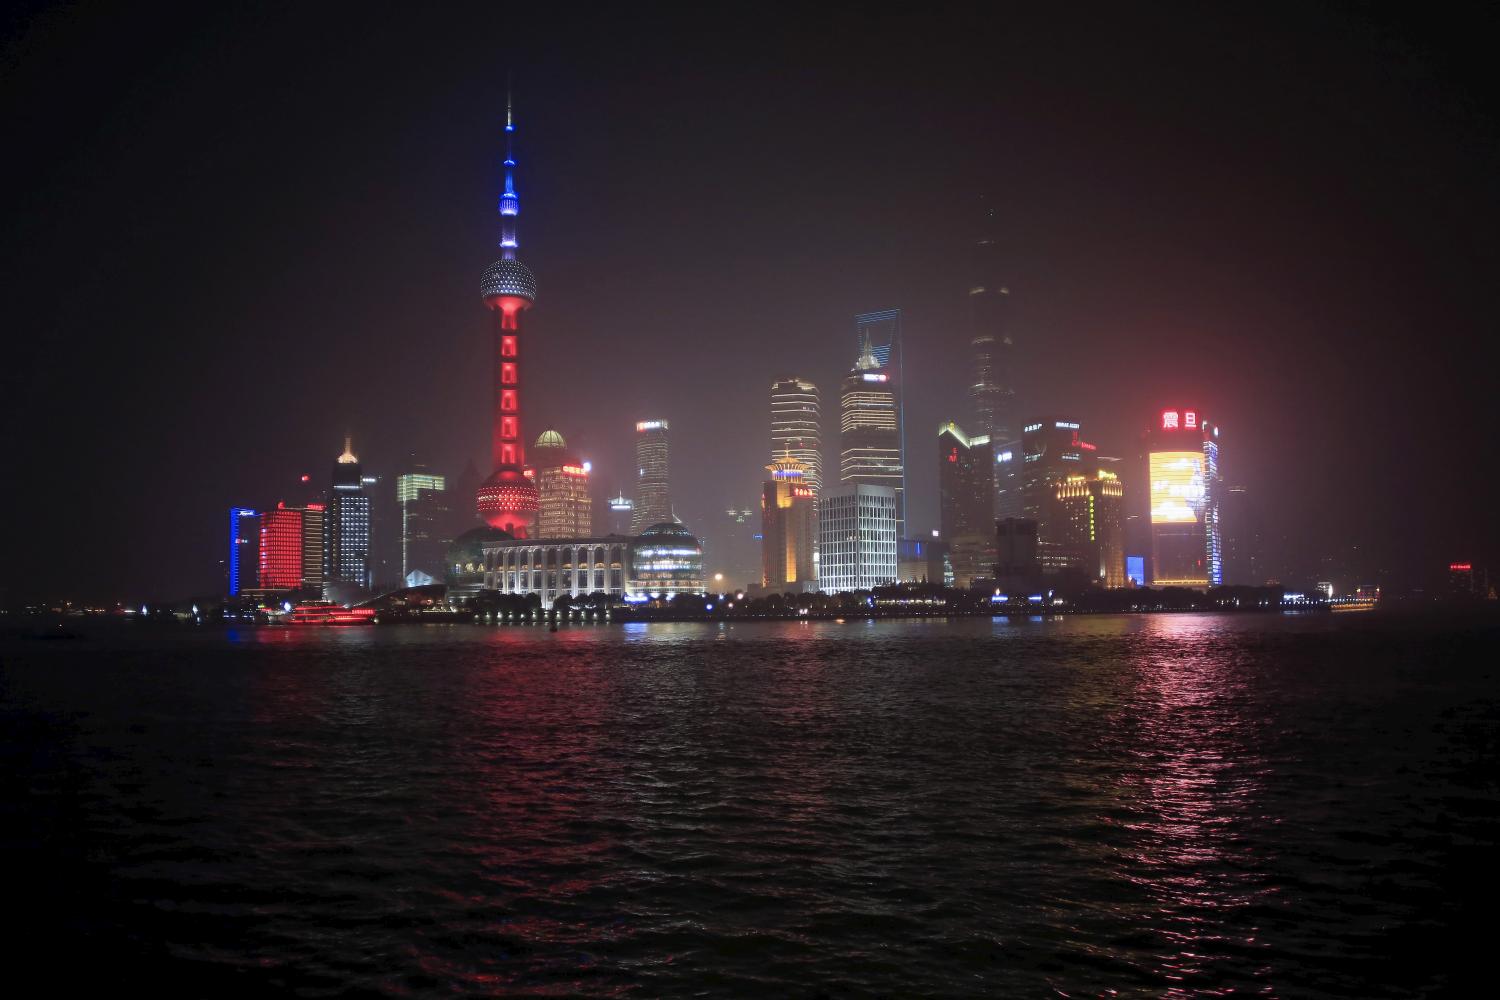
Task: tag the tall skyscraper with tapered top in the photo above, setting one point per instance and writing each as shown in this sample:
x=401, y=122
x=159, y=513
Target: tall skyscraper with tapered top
x=796, y=428
x=508, y=498
x=878, y=335
x=346, y=524
x=870, y=427
x=653, y=478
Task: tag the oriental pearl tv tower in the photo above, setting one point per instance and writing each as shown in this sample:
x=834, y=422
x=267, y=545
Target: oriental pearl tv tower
x=508, y=498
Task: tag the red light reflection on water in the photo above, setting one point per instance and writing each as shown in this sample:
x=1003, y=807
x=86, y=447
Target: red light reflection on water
x=1192, y=777
x=513, y=832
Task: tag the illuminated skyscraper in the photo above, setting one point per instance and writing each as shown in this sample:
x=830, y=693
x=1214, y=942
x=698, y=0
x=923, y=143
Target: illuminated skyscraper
x=347, y=525
x=314, y=546
x=965, y=502
x=1053, y=450
x=795, y=427
x=566, y=509
x=788, y=526
x=244, y=549
x=421, y=499
x=281, y=549
x=857, y=538
x=880, y=452
x=653, y=480
x=508, y=498
x=621, y=511
x=870, y=427
x=1183, y=465
x=1092, y=505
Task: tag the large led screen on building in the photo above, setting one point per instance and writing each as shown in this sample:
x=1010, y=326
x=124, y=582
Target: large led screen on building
x=1176, y=487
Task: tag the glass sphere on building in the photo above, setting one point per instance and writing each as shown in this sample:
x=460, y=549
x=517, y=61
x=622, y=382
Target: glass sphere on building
x=507, y=279
x=668, y=560
x=508, y=500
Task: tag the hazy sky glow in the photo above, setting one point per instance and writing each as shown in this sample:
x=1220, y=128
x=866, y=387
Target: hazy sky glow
x=230, y=240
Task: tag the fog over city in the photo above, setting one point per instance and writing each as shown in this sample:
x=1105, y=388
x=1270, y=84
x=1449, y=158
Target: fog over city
x=235, y=237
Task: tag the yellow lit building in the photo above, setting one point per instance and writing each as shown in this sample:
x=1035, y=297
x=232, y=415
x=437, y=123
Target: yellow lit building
x=1093, y=528
x=788, y=527
x=565, y=508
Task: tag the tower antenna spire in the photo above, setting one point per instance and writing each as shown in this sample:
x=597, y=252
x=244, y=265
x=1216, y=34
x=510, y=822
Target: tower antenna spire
x=510, y=202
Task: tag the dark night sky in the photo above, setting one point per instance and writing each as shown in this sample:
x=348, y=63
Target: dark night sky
x=231, y=239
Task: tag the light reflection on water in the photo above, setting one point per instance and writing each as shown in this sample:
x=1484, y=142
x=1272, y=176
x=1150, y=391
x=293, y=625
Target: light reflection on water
x=1152, y=805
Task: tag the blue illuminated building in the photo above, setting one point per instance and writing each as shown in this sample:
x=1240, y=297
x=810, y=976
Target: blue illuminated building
x=244, y=549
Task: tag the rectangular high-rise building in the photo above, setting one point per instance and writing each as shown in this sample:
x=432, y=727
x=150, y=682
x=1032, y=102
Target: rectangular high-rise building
x=870, y=428
x=966, y=504
x=421, y=500
x=1183, y=469
x=280, y=549
x=857, y=537
x=346, y=527
x=796, y=428
x=1053, y=450
x=314, y=545
x=653, y=481
x=1093, y=525
x=244, y=550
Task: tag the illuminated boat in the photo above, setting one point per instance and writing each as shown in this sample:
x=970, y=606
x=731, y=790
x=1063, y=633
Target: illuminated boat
x=329, y=613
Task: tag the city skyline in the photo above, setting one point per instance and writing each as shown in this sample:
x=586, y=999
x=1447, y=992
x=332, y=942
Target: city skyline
x=405, y=380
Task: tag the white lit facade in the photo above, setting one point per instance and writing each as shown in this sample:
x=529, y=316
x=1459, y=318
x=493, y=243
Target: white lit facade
x=795, y=428
x=870, y=427
x=662, y=562
x=857, y=538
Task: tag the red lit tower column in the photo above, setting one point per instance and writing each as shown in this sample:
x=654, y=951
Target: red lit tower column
x=508, y=498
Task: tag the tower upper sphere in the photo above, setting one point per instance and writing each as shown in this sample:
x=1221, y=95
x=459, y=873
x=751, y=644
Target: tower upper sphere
x=507, y=278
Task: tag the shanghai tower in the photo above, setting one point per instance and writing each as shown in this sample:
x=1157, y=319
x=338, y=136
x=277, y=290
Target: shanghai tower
x=508, y=499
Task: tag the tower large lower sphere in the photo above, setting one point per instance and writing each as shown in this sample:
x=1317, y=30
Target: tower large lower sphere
x=508, y=499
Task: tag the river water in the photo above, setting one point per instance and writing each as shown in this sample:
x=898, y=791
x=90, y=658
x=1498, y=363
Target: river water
x=1179, y=805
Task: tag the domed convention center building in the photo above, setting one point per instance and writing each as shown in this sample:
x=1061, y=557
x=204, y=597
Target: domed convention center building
x=661, y=562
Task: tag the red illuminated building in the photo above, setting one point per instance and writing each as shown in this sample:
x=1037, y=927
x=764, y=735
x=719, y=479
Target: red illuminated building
x=508, y=499
x=281, y=549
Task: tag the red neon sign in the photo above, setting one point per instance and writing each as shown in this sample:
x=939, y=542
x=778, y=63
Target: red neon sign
x=574, y=470
x=1190, y=419
x=1169, y=420
x=1460, y=567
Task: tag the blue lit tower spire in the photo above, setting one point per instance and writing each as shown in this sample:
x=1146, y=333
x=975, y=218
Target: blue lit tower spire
x=508, y=498
x=510, y=202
